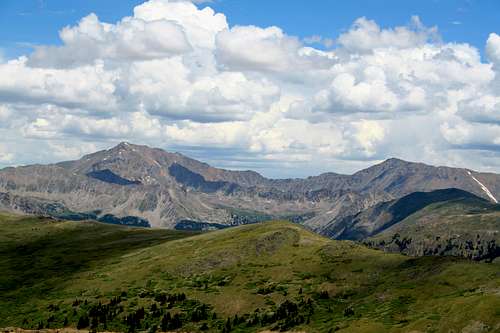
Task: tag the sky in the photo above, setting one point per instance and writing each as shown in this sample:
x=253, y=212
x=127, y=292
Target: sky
x=31, y=22
x=289, y=89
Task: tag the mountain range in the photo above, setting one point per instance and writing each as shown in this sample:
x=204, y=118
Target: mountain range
x=142, y=186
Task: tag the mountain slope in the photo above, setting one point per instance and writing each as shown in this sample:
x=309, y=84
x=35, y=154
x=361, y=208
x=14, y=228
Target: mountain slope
x=394, y=179
x=466, y=226
x=129, y=180
x=250, y=278
x=386, y=214
x=132, y=182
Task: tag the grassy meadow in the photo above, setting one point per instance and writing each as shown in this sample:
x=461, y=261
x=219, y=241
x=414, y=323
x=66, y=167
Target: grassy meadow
x=267, y=276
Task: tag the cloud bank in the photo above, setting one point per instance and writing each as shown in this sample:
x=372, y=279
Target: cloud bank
x=177, y=76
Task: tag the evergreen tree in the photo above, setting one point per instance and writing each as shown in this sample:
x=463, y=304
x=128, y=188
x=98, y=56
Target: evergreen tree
x=348, y=312
x=165, y=322
x=176, y=321
x=83, y=322
x=93, y=324
x=228, y=325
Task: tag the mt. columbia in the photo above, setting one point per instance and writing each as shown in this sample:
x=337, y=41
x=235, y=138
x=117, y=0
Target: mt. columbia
x=138, y=185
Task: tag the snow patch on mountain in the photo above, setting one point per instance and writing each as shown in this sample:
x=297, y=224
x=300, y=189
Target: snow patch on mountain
x=484, y=188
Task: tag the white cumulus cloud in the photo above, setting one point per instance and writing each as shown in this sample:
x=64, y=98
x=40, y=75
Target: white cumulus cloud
x=493, y=48
x=178, y=76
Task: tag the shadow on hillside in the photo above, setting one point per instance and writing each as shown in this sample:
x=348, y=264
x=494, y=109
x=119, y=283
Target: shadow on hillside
x=34, y=265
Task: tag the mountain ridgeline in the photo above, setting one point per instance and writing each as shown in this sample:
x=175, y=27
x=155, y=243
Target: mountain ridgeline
x=138, y=185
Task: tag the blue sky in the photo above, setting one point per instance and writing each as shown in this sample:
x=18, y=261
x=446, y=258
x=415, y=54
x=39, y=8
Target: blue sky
x=27, y=22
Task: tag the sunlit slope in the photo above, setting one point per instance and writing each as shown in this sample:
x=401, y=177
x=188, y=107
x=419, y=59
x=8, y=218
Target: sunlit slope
x=464, y=227
x=272, y=276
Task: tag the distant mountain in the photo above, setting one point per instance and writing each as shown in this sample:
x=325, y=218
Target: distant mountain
x=162, y=189
x=384, y=215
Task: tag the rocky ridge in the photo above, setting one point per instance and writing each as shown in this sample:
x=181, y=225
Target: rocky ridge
x=172, y=190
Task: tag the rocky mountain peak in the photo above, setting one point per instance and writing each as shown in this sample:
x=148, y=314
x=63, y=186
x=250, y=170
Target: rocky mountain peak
x=394, y=161
x=122, y=145
x=128, y=147
x=166, y=188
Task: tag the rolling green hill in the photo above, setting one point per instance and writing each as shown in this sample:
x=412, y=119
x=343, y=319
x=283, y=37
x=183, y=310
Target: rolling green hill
x=442, y=222
x=274, y=275
x=467, y=227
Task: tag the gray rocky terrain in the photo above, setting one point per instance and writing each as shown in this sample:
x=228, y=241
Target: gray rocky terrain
x=133, y=184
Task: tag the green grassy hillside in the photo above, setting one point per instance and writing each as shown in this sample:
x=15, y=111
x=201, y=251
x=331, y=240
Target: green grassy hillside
x=463, y=227
x=273, y=275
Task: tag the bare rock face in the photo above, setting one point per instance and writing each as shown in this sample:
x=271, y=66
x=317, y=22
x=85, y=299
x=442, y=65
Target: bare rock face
x=132, y=183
